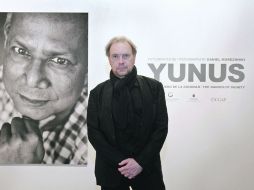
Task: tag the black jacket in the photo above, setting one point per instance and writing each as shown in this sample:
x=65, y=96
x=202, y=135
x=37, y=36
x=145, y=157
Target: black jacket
x=101, y=131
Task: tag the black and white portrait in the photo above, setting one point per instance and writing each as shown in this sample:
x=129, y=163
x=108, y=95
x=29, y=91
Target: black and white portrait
x=43, y=88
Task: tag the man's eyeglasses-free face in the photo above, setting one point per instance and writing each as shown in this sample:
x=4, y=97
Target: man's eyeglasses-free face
x=116, y=57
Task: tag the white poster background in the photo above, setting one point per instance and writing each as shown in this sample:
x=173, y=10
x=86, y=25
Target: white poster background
x=210, y=143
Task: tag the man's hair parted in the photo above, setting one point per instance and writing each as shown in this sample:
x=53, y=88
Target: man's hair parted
x=120, y=39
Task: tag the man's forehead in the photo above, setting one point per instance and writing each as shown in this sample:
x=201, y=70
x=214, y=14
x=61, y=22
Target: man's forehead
x=32, y=30
x=75, y=24
x=51, y=17
x=121, y=45
x=75, y=21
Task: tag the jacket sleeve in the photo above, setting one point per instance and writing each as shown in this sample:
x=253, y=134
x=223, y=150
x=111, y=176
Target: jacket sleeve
x=96, y=136
x=159, y=132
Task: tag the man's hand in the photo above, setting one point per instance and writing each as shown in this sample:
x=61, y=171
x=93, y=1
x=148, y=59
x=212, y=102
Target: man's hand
x=129, y=168
x=21, y=142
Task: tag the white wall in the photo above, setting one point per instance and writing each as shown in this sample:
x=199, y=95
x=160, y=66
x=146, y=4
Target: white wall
x=209, y=145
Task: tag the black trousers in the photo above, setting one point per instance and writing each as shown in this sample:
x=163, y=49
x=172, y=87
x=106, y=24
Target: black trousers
x=141, y=182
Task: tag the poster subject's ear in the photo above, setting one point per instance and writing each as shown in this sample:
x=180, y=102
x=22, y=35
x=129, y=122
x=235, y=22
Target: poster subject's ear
x=7, y=27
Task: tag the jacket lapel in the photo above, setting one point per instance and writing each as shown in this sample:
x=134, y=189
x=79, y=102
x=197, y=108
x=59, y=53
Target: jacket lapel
x=148, y=105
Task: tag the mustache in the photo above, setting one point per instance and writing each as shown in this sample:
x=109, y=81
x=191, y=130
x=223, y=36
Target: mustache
x=122, y=67
x=36, y=93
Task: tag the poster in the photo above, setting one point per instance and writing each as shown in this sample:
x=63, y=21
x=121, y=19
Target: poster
x=210, y=140
x=43, y=88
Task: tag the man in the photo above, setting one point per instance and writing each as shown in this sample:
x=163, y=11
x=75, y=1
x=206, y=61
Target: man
x=127, y=124
x=44, y=75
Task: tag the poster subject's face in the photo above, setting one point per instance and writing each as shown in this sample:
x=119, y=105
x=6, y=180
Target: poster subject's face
x=44, y=64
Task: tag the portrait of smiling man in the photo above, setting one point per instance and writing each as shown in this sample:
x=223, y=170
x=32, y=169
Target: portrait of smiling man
x=43, y=88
